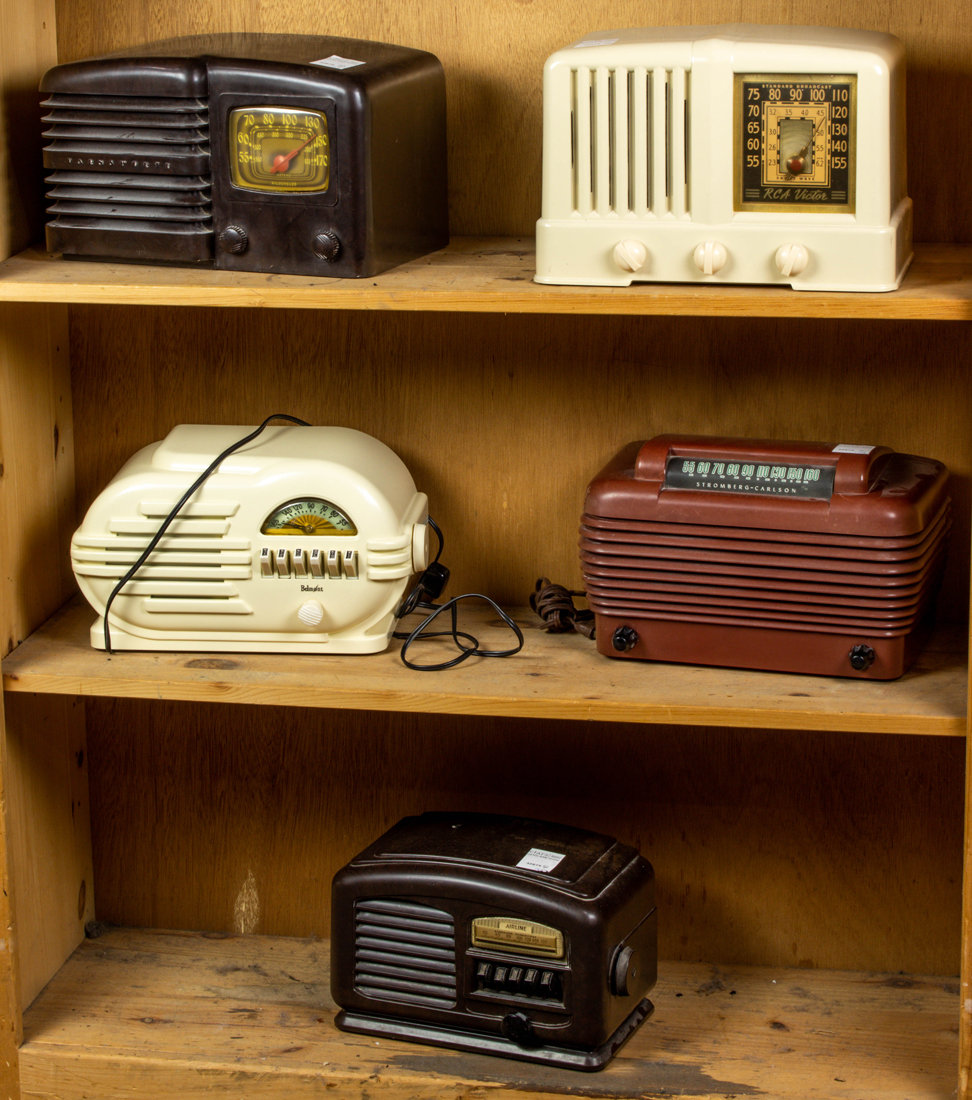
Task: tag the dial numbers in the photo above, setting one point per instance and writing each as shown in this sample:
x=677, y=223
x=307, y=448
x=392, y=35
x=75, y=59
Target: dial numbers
x=795, y=143
x=308, y=517
x=279, y=149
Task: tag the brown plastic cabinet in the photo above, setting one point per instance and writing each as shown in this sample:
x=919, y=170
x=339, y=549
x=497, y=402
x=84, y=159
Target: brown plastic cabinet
x=807, y=834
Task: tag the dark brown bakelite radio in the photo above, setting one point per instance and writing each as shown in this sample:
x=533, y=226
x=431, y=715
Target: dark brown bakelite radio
x=249, y=152
x=494, y=934
x=795, y=557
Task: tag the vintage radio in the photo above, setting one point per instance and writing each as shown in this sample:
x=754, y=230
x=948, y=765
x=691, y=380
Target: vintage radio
x=726, y=154
x=302, y=541
x=798, y=557
x=249, y=152
x=498, y=935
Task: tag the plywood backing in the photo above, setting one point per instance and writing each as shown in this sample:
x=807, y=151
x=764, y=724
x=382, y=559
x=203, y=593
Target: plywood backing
x=503, y=420
x=493, y=56
x=790, y=849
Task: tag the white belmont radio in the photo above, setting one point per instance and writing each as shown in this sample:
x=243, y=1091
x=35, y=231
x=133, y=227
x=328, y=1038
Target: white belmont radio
x=302, y=541
x=728, y=154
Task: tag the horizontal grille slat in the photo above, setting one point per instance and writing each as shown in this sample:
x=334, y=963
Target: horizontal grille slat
x=116, y=180
x=139, y=103
x=153, y=119
x=130, y=212
x=405, y=951
x=135, y=196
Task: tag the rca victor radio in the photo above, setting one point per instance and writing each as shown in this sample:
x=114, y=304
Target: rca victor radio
x=302, y=541
x=797, y=557
x=246, y=152
x=726, y=154
x=497, y=935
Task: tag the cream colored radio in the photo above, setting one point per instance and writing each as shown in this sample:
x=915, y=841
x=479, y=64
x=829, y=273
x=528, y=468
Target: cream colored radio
x=727, y=154
x=302, y=541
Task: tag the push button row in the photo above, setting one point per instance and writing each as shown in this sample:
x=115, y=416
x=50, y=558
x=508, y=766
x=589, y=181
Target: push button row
x=301, y=563
x=527, y=981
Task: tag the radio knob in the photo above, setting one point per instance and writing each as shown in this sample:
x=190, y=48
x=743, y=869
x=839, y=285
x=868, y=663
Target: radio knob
x=234, y=239
x=327, y=246
x=630, y=255
x=311, y=613
x=791, y=259
x=517, y=1028
x=710, y=257
x=625, y=972
x=861, y=657
x=624, y=638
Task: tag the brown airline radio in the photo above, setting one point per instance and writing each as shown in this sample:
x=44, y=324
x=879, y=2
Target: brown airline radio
x=497, y=935
x=786, y=556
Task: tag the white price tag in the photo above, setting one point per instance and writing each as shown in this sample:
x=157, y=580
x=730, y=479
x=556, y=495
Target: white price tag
x=539, y=860
x=594, y=42
x=335, y=62
x=852, y=449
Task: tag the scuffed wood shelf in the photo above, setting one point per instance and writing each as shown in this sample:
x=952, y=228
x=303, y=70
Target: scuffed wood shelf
x=483, y=275
x=150, y=1014
x=554, y=676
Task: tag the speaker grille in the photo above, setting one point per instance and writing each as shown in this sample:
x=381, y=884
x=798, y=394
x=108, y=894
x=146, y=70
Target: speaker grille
x=131, y=176
x=404, y=952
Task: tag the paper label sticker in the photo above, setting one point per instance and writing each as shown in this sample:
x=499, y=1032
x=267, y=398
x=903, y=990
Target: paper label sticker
x=594, y=42
x=335, y=62
x=852, y=449
x=539, y=860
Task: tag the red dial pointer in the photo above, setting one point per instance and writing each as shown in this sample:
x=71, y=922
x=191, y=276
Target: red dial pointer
x=281, y=163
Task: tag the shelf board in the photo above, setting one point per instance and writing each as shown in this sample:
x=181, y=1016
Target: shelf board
x=483, y=275
x=554, y=676
x=150, y=1014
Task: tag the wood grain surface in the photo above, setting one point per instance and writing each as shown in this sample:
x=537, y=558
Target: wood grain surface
x=149, y=1016
x=484, y=275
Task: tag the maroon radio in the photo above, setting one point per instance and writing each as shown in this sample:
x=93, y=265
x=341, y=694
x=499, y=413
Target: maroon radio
x=787, y=556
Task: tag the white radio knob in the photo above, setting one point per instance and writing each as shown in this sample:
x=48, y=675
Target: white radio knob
x=791, y=259
x=630, y=255
x=710, y=257
x=311, y=613
x=420, y=546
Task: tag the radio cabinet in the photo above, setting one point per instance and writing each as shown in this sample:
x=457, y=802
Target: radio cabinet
x=806, y=833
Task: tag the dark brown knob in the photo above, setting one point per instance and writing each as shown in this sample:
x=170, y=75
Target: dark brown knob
x=327, y=246
x=234, y=239
x=624, y=974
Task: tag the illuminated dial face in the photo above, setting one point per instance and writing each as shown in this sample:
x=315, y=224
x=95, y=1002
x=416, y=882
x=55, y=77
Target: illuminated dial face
x=306, y=517
x=795, y=143
x=279, y=149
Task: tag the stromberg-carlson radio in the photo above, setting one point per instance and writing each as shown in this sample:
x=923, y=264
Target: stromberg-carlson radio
x=302, y=541
x=726, y=154
x=249, y=152
x=498, y=935
x=796, y=557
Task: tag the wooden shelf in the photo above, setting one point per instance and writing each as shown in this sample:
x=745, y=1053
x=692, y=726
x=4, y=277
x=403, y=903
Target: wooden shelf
x=483, y=275
x=139, y=1014
x=554, y=676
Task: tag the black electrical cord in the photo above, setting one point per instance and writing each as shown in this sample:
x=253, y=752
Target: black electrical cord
x=430, y=586
x=154, y=541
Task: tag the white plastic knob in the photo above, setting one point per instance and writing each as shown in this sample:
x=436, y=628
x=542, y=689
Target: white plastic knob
x=420, y=546
x=710, y=257
x=310, y=613
x=630, y=255
x=791, y=259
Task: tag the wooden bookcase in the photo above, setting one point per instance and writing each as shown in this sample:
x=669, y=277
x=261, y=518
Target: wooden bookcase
x=807, y=834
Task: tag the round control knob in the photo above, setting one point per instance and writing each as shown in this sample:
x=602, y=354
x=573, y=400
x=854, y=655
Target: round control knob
x=710, y=257
x=791, y=259
x=517, y=1028
x=234, y=239
x=624, y=638
x=861, y=657
x=311, y=613
x=630, y=255
x=327, y=246
x=624, y=973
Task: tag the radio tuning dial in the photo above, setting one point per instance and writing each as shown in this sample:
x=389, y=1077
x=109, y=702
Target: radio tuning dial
x=327, y=246
x=234, y=239
x=625, y=972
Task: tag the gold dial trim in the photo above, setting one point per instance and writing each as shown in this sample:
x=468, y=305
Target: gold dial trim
x=279, y=150
x=308, y=517
x=521, y=937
